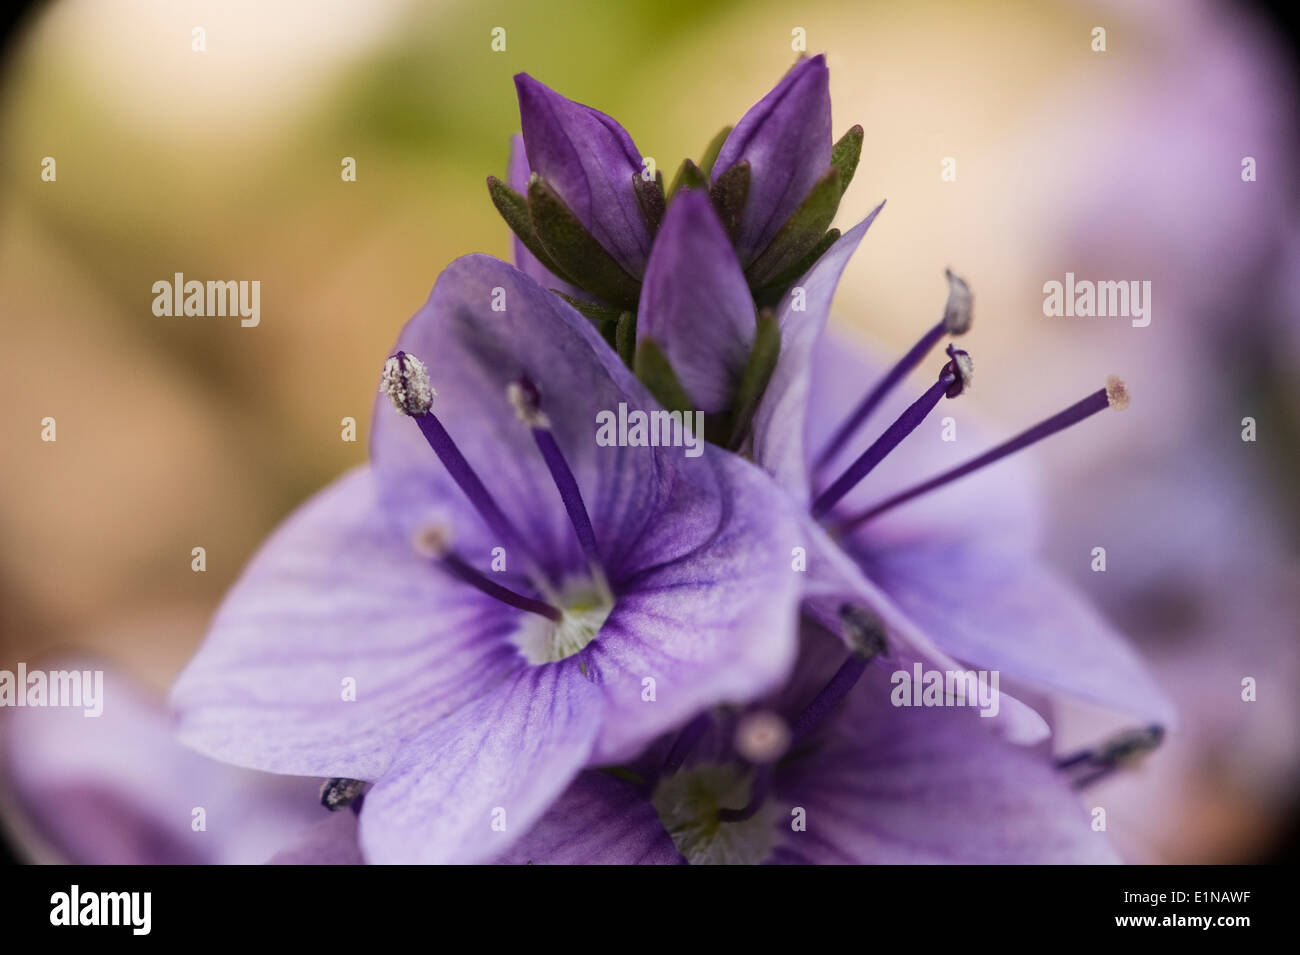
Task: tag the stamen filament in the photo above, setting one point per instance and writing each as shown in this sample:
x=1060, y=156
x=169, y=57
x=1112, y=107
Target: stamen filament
x=406, y=382
x=570, y=494
x=956, y=321
x=951, y=382
x=527, y=401
x=845, y=679
x=477, y=579
x=866, y=638
x=466, y=477
x=1114, y=752
x=877, y=394
x=1112, y=396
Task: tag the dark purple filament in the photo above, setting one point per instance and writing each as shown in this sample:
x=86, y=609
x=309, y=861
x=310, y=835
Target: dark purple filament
x=904, y=425
x=463, y=571
x=1097, y=401
x=563, y=477
x=877, y=394
x=830, y=696
x=466, y=478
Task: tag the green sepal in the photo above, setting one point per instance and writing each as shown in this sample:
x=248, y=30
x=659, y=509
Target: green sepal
x=800, y=234
x=599, y=315
x=650, y=196
x=758, y=372
x=514, y=209
x=688, y=176
x=845, y=155
x=652, y=367
x=583, y=260
x=771, y=293
x=729, y=192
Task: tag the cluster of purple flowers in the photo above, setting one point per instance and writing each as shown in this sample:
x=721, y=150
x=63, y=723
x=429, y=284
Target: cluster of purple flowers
x=501, y=641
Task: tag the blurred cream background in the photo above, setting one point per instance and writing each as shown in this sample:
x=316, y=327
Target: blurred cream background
x=224, y=164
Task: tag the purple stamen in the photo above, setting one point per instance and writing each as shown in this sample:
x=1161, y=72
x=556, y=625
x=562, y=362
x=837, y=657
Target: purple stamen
x=877, y=394
x=527, y=401
x=477, y=579
x=956, y=321
x=952, y=381
x=1105, y=759
x=1113, y=395
x=406, y=382
x=866, y=637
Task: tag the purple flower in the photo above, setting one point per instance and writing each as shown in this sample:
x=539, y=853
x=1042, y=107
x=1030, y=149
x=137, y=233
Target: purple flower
x=828, y=771
x=591, y=163
x=634, y=586
x=786, y=140
x=586, y=207
x=696, y=305
x=954, y=570
x=598, y=820
x=527, y=262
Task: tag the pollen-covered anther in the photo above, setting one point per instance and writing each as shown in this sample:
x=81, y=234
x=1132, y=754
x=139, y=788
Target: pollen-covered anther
x=863, y=632
x=406, y=382
x=762, y=737
x=527, y=402
x=963, y=366
x=340, y=792
x=958, y=313
x=1116, y=393
x=432, y=540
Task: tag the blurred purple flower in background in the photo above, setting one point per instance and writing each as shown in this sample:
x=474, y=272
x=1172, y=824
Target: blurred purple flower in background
x=120, y=789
